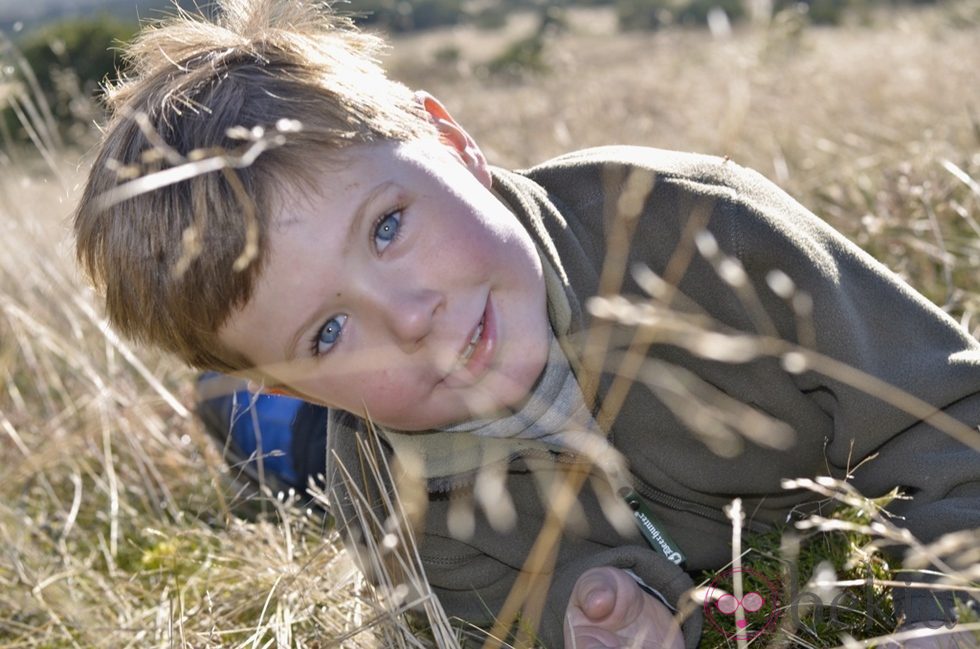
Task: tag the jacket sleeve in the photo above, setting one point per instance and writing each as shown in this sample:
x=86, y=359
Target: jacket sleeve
x=472, y=583
x=473, y=578
x=865, y=317
x=667, y=579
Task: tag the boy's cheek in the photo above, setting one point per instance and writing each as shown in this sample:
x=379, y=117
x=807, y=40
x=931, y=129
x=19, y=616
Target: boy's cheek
x=350, y=395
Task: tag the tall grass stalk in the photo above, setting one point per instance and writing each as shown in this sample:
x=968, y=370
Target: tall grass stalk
x=121, y=525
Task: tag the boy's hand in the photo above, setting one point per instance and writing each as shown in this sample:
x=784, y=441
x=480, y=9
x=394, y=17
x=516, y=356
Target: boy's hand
x=609, y=610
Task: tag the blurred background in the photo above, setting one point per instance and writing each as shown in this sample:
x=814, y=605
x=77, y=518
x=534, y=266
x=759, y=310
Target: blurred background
x=850, y=105
x=120, y=525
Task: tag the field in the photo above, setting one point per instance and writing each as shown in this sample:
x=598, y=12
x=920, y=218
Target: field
x=119, y=523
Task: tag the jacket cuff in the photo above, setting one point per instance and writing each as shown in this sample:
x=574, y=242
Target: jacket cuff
x=655, y=571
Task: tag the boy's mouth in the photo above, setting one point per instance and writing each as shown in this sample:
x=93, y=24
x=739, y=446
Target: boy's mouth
x=475, y=357
x=470, y=348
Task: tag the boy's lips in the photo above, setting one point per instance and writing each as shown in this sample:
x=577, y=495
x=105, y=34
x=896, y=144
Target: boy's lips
x=477, y=350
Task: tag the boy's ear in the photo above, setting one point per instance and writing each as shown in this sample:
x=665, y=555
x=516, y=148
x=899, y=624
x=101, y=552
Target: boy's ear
x=455, y=137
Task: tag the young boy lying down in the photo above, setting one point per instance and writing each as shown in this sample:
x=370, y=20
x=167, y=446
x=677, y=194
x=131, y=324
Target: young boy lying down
x=324, y=230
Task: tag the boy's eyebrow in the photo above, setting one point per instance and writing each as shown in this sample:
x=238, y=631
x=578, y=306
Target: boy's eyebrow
x=361, y=210
x=352, y=230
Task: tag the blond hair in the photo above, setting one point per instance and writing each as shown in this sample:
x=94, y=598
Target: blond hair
x=226, y=112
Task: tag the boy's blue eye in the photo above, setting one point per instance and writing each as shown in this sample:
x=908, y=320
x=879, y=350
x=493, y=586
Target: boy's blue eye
x=387, y=229
x=328, y=335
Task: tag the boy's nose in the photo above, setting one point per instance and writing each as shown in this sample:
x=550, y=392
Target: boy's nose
x=410, y=315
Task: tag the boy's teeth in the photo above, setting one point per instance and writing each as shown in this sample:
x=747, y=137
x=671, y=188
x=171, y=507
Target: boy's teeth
x=465, y=356
x=477, y=333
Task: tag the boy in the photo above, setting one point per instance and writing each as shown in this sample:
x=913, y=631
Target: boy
x=350, y=244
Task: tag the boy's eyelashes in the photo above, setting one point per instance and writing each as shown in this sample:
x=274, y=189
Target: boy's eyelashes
x=328, y=335
x=386, y=230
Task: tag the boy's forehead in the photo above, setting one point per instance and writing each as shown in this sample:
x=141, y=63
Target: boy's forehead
x=343, y=179
x=300, y=196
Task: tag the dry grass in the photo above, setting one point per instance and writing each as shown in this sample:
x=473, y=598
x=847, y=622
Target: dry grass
x=119, y=524
x=857, y=123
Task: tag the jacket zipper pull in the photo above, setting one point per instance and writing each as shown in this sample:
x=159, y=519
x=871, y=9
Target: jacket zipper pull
x=652, y=530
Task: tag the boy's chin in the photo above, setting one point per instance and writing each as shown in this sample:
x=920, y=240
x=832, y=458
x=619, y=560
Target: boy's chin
x=471, y=410
x=494, y=402
x=497, y=401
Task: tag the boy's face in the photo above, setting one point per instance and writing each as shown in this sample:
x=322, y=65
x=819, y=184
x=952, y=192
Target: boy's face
x=403, y=290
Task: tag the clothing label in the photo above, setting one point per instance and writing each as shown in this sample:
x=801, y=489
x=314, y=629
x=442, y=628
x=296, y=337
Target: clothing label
x=652, y=529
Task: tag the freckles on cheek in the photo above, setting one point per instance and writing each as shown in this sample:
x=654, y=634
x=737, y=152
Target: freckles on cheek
x=375, y=384
x=389, y=398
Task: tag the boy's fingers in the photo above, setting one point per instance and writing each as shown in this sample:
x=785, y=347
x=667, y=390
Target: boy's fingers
x=608, y=596
x=595, y=593
x=599, y=602
x=608, y=609
x=594, y=638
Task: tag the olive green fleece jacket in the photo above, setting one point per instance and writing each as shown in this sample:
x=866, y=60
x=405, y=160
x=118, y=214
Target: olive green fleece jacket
x=853, y=311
